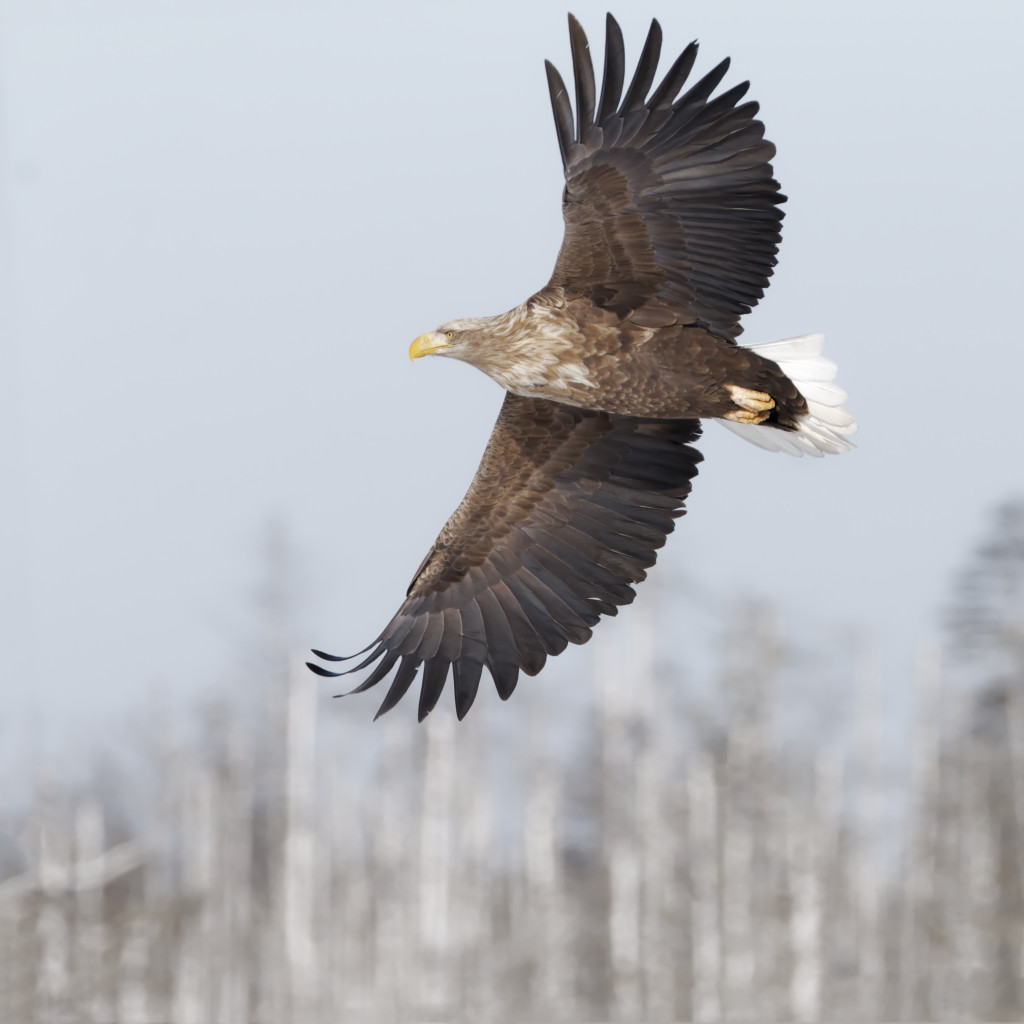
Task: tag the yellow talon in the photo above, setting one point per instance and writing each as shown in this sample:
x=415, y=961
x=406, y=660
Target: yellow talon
x=752, y=401
x=745, y=416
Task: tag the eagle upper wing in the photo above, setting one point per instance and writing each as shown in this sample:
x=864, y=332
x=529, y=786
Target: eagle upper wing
x=669, y=202
x=566, y=510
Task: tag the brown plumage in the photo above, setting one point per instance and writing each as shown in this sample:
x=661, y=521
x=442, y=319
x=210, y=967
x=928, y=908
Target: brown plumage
x=671, y=228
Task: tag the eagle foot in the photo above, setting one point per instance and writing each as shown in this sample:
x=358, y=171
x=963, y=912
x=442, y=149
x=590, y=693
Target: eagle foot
x=754, y=406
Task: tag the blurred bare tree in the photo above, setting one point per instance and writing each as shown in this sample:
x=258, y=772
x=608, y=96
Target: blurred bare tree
x=986, y=628
x=985, y=620
x=664, y=860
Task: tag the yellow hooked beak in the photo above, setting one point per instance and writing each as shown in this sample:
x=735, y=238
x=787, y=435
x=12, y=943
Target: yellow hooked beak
x=427, y=344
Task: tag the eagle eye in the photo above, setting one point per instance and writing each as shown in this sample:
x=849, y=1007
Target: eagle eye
x=450, y=335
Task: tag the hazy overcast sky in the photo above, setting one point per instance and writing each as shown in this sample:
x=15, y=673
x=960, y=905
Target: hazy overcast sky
x=221, y=224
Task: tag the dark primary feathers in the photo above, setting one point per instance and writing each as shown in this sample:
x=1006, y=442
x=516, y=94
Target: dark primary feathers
x=668, y=197
x=566, y=511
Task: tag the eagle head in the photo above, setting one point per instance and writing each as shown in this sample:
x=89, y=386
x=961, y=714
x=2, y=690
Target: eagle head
x=462, y=339
x=523, y=349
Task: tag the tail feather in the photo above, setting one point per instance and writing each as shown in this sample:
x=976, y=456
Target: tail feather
x=825, y=427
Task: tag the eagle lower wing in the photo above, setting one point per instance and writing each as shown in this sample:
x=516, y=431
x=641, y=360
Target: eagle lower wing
x=566, y=510
x=669, y=202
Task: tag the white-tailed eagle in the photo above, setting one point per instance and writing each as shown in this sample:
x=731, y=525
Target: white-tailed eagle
x=671, y=228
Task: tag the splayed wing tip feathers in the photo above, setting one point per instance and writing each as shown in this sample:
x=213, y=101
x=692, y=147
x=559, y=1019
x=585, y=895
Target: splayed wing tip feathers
x=321, y=671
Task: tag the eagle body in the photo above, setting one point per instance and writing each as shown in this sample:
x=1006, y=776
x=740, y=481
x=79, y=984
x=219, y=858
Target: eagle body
x=644, y=364
x=672, y=224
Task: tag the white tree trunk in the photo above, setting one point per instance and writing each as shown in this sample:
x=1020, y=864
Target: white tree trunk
x=299, y=853
x=705, y=888
x=90, y=946
x=435, y=865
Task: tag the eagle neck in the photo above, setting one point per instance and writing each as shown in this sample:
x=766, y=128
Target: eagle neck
x=532, y=350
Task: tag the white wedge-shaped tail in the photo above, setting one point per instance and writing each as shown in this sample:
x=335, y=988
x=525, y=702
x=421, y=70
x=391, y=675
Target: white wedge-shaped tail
x=825, y=428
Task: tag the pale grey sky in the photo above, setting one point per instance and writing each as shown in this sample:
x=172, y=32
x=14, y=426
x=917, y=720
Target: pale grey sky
x=221, y=224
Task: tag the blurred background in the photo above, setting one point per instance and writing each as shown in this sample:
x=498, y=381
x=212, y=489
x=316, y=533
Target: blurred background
x=785, y=783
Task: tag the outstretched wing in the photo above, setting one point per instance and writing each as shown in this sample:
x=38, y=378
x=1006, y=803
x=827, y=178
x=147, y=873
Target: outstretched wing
x=566, y=510
x=669, y=202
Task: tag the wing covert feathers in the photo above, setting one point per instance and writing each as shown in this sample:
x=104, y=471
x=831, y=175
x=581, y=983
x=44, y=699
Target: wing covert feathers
x=566, y=512
x=669, y=195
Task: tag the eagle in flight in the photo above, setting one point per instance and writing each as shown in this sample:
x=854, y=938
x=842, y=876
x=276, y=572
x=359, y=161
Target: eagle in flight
x=671, y=228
